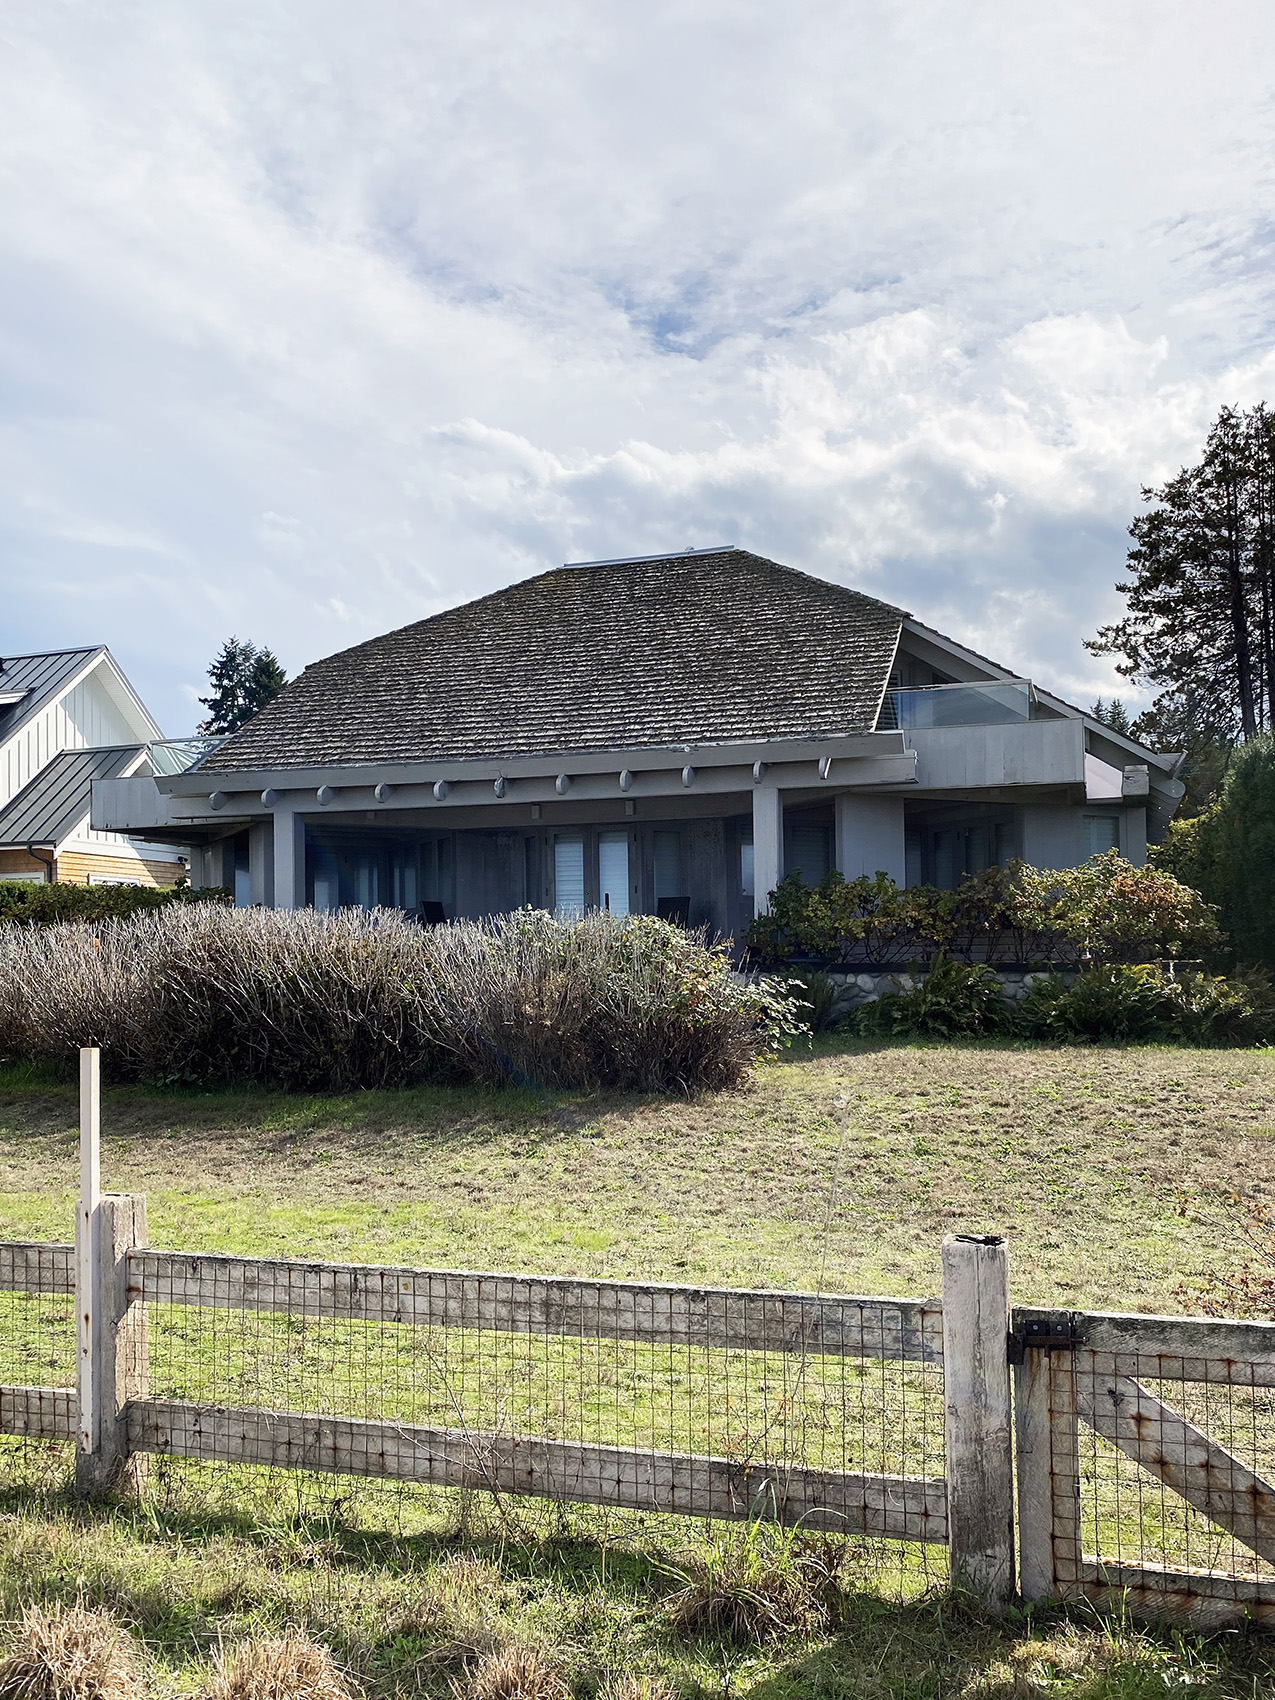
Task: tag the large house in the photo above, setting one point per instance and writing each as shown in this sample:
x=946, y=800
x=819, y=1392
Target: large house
x=665, y=735
x=67, y=718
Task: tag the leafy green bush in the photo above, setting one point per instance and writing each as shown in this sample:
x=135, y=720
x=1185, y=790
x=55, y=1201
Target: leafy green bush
x=318, y=1002
x=1106, y=909
x=814, y=998
x=954, y=998
x=45, y=905
x=1112, y=1001
x=1122, y=1002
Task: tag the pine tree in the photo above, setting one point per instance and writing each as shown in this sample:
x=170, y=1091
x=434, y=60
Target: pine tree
x=243, y=679
x=1200, y=624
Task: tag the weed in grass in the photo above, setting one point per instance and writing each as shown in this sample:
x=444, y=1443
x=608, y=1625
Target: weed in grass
x=68, y=1653
x=752, y=1586
x=516, y=1671
x=633, y=1687
x=290, y=1667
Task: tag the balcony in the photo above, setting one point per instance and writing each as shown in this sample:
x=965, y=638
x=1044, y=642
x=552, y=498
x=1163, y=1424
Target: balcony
x=1002, y=703
x=178, y=755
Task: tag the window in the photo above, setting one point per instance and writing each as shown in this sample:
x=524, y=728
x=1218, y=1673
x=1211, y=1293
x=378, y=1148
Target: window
x=667, y=849
x=613, y=872
x=746, y=882
x=809, y=852
x=568, y=877
x=110, y=879
x=1102, y=832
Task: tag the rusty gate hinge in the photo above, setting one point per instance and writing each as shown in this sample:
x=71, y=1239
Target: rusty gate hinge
x=1041, y=1331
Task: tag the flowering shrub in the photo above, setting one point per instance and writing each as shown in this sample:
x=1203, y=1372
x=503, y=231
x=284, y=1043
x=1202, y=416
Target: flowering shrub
x=319, y=1002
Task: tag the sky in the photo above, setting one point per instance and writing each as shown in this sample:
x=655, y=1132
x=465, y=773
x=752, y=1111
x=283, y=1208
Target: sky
x=316, y=319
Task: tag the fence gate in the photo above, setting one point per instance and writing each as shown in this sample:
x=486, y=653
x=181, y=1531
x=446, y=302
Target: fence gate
x=1146, y=1463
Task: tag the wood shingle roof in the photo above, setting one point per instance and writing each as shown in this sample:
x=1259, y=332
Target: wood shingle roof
x=704, y=648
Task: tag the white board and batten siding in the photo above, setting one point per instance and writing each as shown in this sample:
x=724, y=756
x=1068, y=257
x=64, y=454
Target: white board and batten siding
x=82, y=718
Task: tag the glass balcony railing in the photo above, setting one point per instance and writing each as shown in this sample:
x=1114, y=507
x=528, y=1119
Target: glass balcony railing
x=176, y=755
x=992, y=704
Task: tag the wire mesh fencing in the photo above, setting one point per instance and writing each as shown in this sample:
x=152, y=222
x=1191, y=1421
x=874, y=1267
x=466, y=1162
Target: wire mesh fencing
x=1174, y=1471
x=638, y=1402
x=37, y=1361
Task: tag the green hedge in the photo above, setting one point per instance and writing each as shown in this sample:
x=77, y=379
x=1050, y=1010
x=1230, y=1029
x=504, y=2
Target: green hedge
x=1105, y=910
x=44, y=905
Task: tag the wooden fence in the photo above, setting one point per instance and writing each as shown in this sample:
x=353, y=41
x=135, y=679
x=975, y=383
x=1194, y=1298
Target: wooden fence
x=1055, y=1454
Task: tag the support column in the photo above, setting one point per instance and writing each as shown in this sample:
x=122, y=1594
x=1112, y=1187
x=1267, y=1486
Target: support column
x=870, y=836
x=289, y=859
x=768, y=845
x=260, y=863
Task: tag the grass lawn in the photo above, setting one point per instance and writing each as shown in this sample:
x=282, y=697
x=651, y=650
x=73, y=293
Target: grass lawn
x=840, y=1169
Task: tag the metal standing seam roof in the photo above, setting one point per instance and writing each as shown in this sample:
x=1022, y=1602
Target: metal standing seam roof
x=49, y=807
x=699, y=648
x=41, y=677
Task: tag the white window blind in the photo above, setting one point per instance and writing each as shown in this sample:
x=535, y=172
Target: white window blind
x=568, y=877
x=746, y=882
x=613, y=872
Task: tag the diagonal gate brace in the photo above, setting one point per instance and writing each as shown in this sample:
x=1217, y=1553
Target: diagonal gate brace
x=1205, y=1474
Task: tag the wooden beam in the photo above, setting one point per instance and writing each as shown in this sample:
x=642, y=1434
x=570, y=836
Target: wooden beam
x=28, y=1267
x=1164, y=1443
x=523, y=1304
x=902, y=1507
x=1204, y=1599
x=40, y=1413
x=1186, y=1348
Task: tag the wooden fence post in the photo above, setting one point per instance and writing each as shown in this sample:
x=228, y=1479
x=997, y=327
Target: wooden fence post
x=978, y=1423
x=111, y=1334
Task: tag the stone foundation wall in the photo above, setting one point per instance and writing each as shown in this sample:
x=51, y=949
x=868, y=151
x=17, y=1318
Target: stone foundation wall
x=854, y=988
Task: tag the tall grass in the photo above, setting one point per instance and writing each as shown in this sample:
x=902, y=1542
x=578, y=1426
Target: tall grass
x=330, y=1002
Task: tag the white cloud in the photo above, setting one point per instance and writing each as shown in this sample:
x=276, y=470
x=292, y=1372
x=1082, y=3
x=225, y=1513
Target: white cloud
x=316, y=321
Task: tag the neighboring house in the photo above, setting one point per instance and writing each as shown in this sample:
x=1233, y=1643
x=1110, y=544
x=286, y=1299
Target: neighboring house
x=667, y=735
x=66, y=719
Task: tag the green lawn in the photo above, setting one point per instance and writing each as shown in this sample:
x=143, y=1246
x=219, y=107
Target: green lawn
x=839, y=1170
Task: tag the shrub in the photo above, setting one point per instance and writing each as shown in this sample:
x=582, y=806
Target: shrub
x=1120, y=1002
x=319, y=1002
x=1116, y=1002
x=1106, y=909
x=954, y=998
x=45, y=905
x=814, y=997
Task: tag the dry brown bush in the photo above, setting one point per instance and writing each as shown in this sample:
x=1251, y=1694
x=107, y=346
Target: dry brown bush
x=69, y=1653
x=336, y=1002
x=516, y=1671
x=289, y=1668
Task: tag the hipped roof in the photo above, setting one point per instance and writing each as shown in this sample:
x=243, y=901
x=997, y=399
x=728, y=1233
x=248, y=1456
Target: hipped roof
x=701, y=648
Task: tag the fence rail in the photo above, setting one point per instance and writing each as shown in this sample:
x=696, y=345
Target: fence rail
x=755, y=1321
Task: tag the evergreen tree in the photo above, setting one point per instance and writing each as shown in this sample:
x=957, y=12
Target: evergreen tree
x=1200, y=623
x=1228, y=852
x=1113, y=714
x=243, y=679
